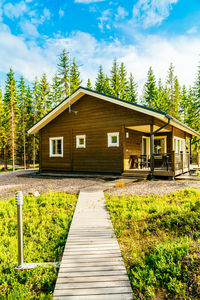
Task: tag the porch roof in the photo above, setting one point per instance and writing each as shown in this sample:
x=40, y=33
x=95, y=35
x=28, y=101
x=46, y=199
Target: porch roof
x=81, y=91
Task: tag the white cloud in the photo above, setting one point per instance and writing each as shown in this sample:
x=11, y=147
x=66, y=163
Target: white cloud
x=105, y=17
x=121, y=13
x=32, y=60
x=192, y=30
x=15, y=11
x=88, y=1
x=152, y=12
x=61, y=13
x=29, y=29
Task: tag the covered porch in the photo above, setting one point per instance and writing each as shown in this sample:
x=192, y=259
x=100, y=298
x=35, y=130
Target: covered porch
x=167, y=152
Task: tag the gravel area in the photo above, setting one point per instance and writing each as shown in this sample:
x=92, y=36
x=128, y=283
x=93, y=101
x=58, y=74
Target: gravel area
x=153, y=187
x=28, y=182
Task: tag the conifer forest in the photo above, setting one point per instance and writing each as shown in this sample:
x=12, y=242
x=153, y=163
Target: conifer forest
x=22, y=105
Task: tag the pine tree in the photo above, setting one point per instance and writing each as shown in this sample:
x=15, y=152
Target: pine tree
x=29, y=124
x=173, y=92
x=89, y=84
x=63, y=73
x=115, y=79
x=100, y=80
x=123, y=83
x=44, y=91
x=184, y=103
x=150, y=89
x=75, y=80
x=131, y=94
x=1, y=125
x=37, y=112
x=56, y=91
x=161, y=97
x=107, y=88
x=22, y=119
x=10, y=110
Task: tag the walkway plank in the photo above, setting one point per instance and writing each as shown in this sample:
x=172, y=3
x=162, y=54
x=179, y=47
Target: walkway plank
x=92, y=266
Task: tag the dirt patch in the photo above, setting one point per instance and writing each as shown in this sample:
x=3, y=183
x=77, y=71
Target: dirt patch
x=159, y=187
x=28, y=182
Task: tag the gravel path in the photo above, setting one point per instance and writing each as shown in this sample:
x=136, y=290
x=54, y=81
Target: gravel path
x=159, y=187
x=28, y=182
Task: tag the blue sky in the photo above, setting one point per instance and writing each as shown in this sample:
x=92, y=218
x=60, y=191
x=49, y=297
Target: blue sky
x=142, y=33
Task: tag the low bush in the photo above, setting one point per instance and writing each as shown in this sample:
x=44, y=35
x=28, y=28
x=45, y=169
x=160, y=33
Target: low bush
x=160, y=241
x=46, y=221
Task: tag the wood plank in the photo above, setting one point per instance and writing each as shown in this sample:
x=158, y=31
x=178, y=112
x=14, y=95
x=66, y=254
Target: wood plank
x=127, y=296
x=92, y=291
x=92, y=264
x=92, y=279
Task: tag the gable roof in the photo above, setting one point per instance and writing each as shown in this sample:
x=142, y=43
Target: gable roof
x=81, y=91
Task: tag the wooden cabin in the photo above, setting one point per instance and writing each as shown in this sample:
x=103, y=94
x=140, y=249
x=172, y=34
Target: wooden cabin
x=92, y=132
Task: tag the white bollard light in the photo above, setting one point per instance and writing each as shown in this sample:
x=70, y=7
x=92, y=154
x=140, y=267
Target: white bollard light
x=19, y=202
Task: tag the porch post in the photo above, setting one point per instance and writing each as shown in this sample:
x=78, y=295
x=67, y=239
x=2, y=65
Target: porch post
x=151, y=153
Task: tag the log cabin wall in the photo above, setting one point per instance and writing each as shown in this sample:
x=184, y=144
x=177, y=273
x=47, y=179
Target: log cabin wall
x=95, y=118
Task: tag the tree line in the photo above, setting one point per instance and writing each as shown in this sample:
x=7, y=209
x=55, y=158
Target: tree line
x=22, y=105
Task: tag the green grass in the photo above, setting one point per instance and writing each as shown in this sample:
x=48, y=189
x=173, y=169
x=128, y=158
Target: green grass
x=46, y=221
x=160, y=242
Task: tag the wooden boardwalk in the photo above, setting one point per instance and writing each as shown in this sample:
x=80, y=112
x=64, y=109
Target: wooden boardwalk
x=92, y=266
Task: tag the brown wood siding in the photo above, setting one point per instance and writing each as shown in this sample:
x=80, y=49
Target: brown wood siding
x=95, y=118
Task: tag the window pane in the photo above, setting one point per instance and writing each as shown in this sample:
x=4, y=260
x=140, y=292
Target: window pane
x=159, y=146
x=114, y=139
x=53, y=146
x=81, y=141
x=59, y=150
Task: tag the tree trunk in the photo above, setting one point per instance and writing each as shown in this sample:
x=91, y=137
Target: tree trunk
x=34, y=151
x=24, y=143
x=5, y=159
x=13, y=137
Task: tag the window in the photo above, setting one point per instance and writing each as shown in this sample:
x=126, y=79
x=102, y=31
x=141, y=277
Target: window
x=56, y=147
x=160, y=144
x=80, y=141
x=113, y=139
x=179, y=145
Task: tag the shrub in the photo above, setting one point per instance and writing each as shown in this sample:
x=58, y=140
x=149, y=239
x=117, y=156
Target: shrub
x=46, y=221
x=159, y=239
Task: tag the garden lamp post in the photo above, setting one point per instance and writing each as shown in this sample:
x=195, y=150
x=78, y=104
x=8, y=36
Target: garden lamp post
x=19, y=201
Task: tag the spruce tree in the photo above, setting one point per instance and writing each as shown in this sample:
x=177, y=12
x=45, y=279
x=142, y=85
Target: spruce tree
x=56, y=91
x=75, y=80
x=29, y=124
x=150, y=90
x=162, y=97
x=44, y=91
x=89, y=84
x=10, y=110
x=123, y=83
x=63, y=73
x=131, y=93
x=173, y=92
x=115, y=79
x=100, y=80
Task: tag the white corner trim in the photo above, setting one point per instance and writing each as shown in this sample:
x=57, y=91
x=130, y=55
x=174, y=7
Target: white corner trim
x=110, y=135
x=50, y=146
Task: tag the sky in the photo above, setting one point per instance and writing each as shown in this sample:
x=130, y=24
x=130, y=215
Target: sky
x=141, y=33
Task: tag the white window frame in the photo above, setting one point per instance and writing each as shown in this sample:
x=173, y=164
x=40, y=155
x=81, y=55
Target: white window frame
x=78, y=137
x=51, y=154
x=110, y=135
x=182, y=144
x=147, y=145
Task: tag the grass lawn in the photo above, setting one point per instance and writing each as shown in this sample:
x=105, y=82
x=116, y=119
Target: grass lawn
x=160, y=241
x=46, y=219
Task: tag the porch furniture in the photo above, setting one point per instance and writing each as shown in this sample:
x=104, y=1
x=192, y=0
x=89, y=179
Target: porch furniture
x=144, y=162
x=133, y=161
